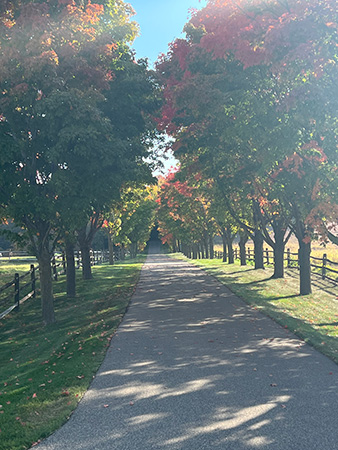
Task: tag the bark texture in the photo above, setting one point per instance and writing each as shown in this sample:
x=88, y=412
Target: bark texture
x=46, y=286
x=70, y=273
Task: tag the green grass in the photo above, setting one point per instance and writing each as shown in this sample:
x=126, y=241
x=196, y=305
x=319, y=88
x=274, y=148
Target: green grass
x=8, y=269
x=44, y=372
x=314, y=317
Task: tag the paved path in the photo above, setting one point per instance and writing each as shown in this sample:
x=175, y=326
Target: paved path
x=192, y=367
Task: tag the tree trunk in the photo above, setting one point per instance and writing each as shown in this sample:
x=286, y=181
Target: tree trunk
x=71, y=278
x=304, y=267
x=225, y=249
x=211, y=247
x=206, y=248
x=46, y=286
x=258, y=249
x=243, y=239
x=278, y=256
x=86, y=265
x=194, y=251
x=202, y=250
x=133, y=249
x=229, y=239
x=110, y=248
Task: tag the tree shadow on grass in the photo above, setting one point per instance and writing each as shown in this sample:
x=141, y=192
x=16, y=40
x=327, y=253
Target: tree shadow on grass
x=240, y=271
x=284, y=297
x=251, y=283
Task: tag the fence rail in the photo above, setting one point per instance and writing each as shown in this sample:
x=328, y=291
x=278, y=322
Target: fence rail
x=23, y=287
x=323, y=266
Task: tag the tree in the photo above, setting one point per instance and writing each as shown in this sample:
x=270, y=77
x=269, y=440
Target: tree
x=184, y=215
x=58, y=143
x=252, y=63
x=134, y=217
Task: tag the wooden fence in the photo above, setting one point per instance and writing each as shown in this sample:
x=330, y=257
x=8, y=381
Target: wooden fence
x=323, y=266
x=23, y=287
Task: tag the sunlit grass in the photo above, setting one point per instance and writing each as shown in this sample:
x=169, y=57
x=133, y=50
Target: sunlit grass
x=313, y=317
x=317, y=249
x=9, y=268
x=44, y=372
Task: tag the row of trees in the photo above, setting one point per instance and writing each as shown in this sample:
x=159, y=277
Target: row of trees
x=252, y=111
x=129, y=222
x=76, y=126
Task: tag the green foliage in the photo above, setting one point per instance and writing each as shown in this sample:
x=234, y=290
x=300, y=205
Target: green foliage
x=132, y=219
x=75, y=115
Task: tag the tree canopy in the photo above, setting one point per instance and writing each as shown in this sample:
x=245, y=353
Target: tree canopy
x=264, y=123
x=76, y=117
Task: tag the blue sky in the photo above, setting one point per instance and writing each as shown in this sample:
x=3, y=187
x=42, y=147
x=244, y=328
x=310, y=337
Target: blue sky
x=161, y=21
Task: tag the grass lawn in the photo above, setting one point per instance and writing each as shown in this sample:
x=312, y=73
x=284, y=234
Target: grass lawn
x=8, y=269
x=314, y=317
x=44, y=372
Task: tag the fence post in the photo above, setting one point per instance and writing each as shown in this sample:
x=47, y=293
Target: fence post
x=55, y=273
x=267, y=256
x=64, y=262
x=288, y=258
x=249, y=253
x=324, y=266
x=33, y=279
x=17, y=290
x=235, y=253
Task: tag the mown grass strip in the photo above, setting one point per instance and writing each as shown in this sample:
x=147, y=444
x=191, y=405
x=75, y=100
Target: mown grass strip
x=314, y=317
x=44, y=372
